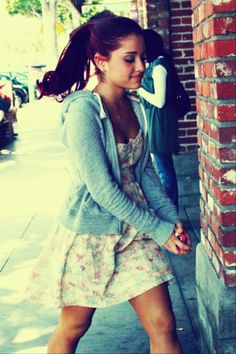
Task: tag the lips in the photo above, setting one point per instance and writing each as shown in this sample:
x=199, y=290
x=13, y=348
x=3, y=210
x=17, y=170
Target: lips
x=137, y=77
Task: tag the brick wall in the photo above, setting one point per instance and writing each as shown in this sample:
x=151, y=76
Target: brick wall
x=182, y=51
x=214, y=29
x=172, y=19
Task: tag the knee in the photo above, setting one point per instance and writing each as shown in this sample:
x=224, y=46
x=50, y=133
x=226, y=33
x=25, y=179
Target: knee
x=162, y=324
x=73, y=330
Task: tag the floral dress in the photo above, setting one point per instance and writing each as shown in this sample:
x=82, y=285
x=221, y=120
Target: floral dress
x=100, y=270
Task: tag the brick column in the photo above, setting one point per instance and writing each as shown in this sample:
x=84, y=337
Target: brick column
x=214, y=39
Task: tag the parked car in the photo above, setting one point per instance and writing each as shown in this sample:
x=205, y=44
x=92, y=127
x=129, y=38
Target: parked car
x=19, y=82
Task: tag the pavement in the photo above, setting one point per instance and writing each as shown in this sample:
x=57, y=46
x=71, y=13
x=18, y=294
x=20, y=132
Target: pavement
x=34, y=177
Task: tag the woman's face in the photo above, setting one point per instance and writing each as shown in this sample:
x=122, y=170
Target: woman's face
x=125, y=66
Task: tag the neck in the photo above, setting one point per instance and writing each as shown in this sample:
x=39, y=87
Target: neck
x=111, y=94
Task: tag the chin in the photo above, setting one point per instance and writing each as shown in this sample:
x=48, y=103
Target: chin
x=135, y=86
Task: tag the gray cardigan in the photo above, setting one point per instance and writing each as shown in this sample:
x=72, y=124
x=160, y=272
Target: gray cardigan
x=95, y=202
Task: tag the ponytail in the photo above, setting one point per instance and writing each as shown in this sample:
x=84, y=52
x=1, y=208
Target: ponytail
x=102, y=35
x=73, y=67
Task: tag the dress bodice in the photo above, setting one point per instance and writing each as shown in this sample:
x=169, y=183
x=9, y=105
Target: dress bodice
x=128, y=155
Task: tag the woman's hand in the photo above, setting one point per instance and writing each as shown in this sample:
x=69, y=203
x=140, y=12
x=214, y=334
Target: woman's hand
x=174, y=245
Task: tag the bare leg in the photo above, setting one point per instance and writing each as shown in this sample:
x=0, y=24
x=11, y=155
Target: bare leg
x=155, y=312
x=73, y=324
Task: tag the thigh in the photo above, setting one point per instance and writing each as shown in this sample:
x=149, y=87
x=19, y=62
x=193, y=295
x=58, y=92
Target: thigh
x=154, y=306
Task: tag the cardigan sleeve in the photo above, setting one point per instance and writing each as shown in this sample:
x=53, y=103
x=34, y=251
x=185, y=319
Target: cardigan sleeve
x=156, y=195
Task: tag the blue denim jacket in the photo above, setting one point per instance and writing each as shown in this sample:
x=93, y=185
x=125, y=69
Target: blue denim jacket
x=95, y=202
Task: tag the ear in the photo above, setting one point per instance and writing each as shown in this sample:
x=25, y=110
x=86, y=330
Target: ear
x=100, y=61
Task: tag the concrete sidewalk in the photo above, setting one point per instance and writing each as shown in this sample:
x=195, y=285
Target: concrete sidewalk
x=34, y=178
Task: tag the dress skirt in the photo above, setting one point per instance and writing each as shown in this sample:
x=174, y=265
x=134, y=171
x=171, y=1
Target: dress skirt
x=100, y=270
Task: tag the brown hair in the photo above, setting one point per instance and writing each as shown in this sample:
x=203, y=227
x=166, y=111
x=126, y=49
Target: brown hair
x=101, y=35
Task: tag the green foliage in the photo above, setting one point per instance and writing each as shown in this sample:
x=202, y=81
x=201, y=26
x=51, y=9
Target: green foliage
x=63, y=14
x=90, y=11
x=32, y=8
x=24, y=7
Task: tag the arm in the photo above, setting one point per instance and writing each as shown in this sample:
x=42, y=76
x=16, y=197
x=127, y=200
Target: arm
x=83, y=138
x=164, y=208
x=159, y=80
x=156, y=196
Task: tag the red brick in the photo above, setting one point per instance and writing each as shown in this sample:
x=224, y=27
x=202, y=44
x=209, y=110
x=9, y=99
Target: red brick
x=225, y=218
x=223, y=176
x=192, y=132
x=227, y=238
x=190, y=85
x=208, y=69
x=181, y=12
x=223, y=90
x=223, y=135
x=189, y=124
x=186, y=4
x=216, y=263
x=225, y=112
x=175, y=21
x=186, y=20
x=229, y=258
x=187, y=36
x=195, y=3
x=223, y=25
x=227, y=155
x=204, y=225
x=226, y=135
x=224, y=196
x=181, y=61
x=215, y=245
x=229, y=277
x=225, y=69
x=218, y=48
x=201, y=12
x=174, y=5
x=181, y=132
x=216, y=69
x=203, y=193
x=223, y=6
x=188, y=140
x=195, y=19
x=181, y=29
x=206, y=88
x=176, y=37
x=201, y=172
x=190, y=69
x=208, y=248
x=205, y=108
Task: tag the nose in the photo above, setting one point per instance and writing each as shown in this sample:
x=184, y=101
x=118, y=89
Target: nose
x=140, y=65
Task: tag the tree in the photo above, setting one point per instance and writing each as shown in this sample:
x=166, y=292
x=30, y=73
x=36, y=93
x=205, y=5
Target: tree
x=49, y=19
x=66, y=12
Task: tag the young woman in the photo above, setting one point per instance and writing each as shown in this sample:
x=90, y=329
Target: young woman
x=106, y=246
x=161, y=116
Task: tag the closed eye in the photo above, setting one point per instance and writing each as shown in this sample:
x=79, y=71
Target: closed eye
x=129, y=60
